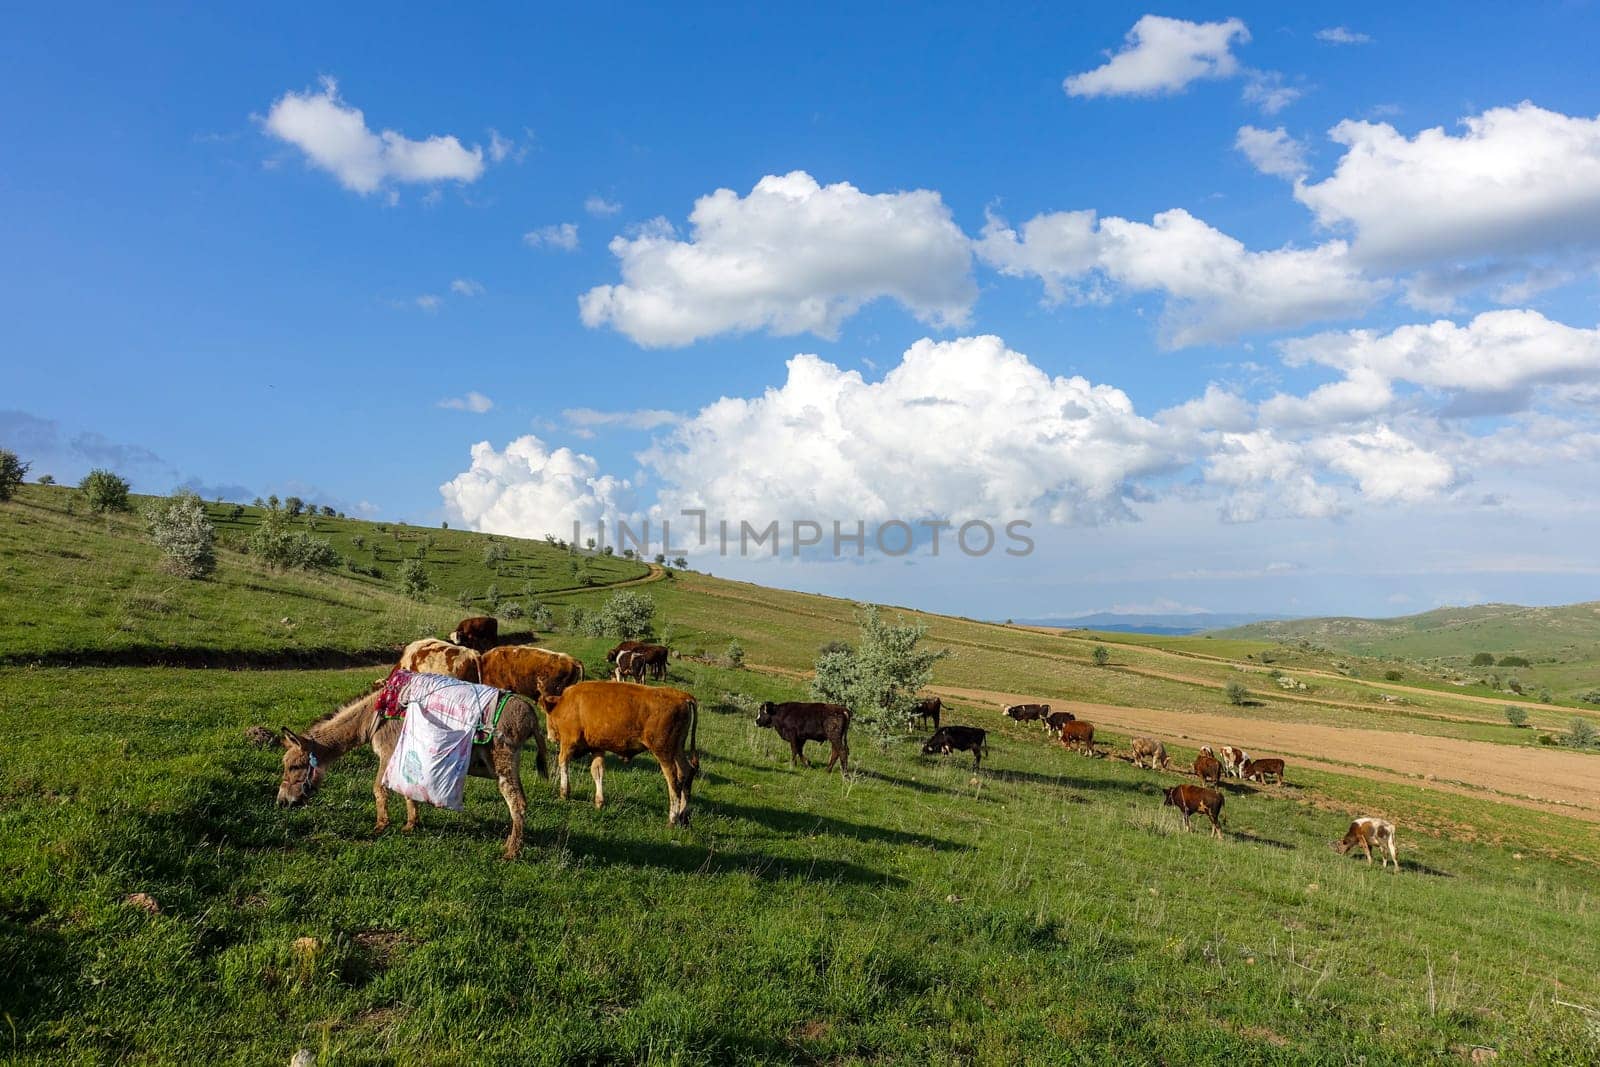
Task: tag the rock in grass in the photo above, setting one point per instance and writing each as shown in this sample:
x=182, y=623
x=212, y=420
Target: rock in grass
x=144, y=902
x=261, y=737
x=304, y=1058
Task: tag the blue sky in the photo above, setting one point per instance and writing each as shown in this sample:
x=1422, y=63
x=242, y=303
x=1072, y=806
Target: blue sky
x=218, y=273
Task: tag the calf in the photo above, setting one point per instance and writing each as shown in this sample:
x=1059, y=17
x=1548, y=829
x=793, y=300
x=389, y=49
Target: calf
x=1189, y=799
x=1233, y=759
x=1147, y=750
x=627, y=719
x=929, y=709
x=1262, y=770
x=630, y=667
x=1208, y=768
x=1028, y=712
x=798, y=722
x=948, y=739
x=1057, y=719
x=478, y=633
x=1077, y=734
x=655, y=656
x=1366, y=832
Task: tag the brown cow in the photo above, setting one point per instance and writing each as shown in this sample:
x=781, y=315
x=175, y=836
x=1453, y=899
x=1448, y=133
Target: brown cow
x=534, y=672
x=1189, y=799
x=929, y=708
x=1148, y=749
x=1056, y=719
x=1366, y=832
x=1262, y=769
x=655, y=656
x=798, y=722
x=480, y=633
x=1209, y=768
x=1078, y=733
x=430, y=655
x=627, y=719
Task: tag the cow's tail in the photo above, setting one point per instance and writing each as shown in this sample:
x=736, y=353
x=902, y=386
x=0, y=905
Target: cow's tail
x=694, y=745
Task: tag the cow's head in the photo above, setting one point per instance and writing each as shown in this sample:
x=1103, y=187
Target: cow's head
x=455, y=637
x=764, y=717
x=1171, y=796
x=302, y=770
x=548, y=702
x=932, y=745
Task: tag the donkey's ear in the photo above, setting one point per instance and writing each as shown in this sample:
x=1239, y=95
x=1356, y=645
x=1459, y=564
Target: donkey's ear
x=292, y=738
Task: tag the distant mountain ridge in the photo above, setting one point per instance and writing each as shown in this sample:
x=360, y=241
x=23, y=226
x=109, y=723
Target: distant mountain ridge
x=1566, y=632
x=1169, y=625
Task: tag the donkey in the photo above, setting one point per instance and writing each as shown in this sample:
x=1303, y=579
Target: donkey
x=307, y=756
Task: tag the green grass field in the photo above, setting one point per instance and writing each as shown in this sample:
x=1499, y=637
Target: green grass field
x=1045, y=910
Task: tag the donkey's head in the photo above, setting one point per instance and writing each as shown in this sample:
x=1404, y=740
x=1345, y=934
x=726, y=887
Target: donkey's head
x=302, y=770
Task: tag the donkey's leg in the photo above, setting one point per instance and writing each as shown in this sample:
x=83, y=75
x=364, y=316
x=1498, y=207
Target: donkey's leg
x=508, y=769
x=412, y=814
x=597, y=771
x=380, y=796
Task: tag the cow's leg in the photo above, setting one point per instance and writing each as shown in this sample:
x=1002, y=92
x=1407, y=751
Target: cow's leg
x=1216, y=827
x=675, y=799
x=1186, y=826
x=797, y=753
x=1393, y=857
x=508, y=769
x=562, y=759
x=686, y=775
x=976, y=758
x=1367, y=848
x=597, y=771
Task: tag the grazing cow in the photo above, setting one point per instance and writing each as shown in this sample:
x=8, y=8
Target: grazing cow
x=1149, y=750
x=1077, y=734
x=533, y=672
x=630, y=667
x=1233, y=759
x=479, y=633
x=1366, y=832
x=1208, y=768
x=798, y=722
x=593, y=718
x=929, y=708
x=655, y=656
x=1056, y=720
x=430, y=655
x=1028, y=712
x=1262, y=770
x=948, y=739
x=1189, y=799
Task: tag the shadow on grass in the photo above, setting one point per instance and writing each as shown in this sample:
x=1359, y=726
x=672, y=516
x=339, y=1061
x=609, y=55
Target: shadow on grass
x=687, y=858
x=323, y=658
x=802, y=823
x=1253, y=839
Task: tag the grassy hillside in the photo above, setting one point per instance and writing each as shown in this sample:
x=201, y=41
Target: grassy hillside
x=82, y=588
x=1047, y=909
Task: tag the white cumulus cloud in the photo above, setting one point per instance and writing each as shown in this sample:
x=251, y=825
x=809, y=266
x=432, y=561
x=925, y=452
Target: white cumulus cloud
x=335, y=137
x=1272, y=151
x=466, y=287
x=1340, y=35
x=599, y=206
x=793, y=256
x=1217, y=288
x=529, y=490
x=1163, y=55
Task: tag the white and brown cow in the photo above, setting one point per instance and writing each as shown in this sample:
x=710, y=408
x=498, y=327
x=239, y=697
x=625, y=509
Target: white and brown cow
x=1367, y=831
x=1233, y=760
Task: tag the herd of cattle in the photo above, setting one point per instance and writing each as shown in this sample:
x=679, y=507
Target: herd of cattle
x=625, y=717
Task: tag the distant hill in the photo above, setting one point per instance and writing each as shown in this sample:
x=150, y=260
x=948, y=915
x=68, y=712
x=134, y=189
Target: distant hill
x=1566, y=634
x=1173, y=625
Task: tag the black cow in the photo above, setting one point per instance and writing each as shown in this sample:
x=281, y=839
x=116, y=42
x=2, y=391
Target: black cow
x=929, y=708
x=1028, y=712
x=798, y=722
x=1057, y=719
x=948, y=739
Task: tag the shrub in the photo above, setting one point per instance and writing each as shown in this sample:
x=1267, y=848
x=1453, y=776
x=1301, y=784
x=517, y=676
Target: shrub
x=733, y=656
x=1546, y=697
x=236, y=512
x=1483, y=659
x=1393, y=674
x=272, y=502
x=294, y=506
x=358, y=541
x=47, y=479
x=12, y=470
x=1591, y=697
x=541, y=618
x=577, y=619
x=626, y=615
x=415, y=580
x=464, y=598
x=1581, y=734
x=1236, y=692
x=180, y=529
x=661, y=557
x=1514, y=661
x=879, y=679
x=328, y=512
x=1514, y=684
x=1101, y=655
x=510, y=610
x=494, y=553
x=1516, y=716
x=680, y=563
x=104, y=491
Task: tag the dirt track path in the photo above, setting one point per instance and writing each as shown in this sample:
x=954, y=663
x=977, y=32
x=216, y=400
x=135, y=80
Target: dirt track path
x=1567, y=782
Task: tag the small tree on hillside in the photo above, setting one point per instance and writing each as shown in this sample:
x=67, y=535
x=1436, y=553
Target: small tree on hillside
x=626, y=614
x=540, y=618
x=1101, y=655
x=180, y=529
x=491, y=598
x=1581, y=734
x=1483, y=659
x=294, y=506
x=494, y=554
x=1236, y=693
x=272, y=502
x=733, y=656
x=415, y=581
x=104, y=491
x=12, y=470
x=879, y=678
x=47, y=479
x=1516, y=716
